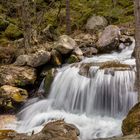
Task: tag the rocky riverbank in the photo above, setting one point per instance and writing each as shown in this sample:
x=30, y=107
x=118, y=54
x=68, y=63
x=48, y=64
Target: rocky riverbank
x=22, y=70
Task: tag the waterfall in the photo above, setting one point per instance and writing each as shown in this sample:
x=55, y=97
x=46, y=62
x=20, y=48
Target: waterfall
x=103, y=94
x=96, y=103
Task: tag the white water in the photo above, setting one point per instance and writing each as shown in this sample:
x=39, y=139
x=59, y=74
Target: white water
x=96, y=105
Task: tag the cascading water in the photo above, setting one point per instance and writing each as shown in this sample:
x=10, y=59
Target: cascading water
x=95, y=104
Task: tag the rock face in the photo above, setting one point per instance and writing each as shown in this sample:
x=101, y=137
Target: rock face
x=131, y=124
x=13, y=93
x=65, y=44
x=34, y=60
x=17, y=76
x=58, y=130
x=96, y=22
x=109, y=38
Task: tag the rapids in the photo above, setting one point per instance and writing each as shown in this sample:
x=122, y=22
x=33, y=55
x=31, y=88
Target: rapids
x=96, y=105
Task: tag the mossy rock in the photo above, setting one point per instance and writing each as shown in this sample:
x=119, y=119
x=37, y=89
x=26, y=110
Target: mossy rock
x=3, y=24
x=131, y=124
x=7, y=134
x=72, y=59
x=113, y=64
x=12, y=32
x=4, y=41
x=50, y=74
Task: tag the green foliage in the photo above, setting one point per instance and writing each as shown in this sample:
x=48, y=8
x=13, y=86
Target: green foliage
x=3, y=24
x=12, y=32
x=80, y=11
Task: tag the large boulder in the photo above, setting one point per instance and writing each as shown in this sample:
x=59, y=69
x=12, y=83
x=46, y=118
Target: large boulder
x=56, y=58
x=11, y=98
x=58, y=130
x=17, y=76
x=34, y=60
x=13, y=93
x=96, y=23
x=65, y=44
x=109, y=39
x=131, y=124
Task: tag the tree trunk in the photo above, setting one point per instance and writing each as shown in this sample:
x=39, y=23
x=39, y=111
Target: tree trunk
x=68, y=26
x=26, y=22
x=137, y=38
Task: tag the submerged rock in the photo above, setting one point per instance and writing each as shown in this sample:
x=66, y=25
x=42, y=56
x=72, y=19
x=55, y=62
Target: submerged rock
x=13, y=93
x=34, y=60
x=65, y=44
x=96, y=23
x=109, y=39
x=17, y=76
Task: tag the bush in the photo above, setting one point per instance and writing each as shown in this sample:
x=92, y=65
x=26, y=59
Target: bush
x=12, y=32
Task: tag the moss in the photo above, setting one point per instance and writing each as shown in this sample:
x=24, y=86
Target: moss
x=48, y=80
x=3, y=24
x=4, y=41
x=12, y=32
x=131, y=122
x=7, y=134
x=113, y=64
x=72, y=59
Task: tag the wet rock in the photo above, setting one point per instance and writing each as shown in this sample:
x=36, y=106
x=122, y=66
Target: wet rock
x=78, y=52
x=56, y=58
x=5, y=120
x=126, y=40
x=84, y=70
x=129, y=137
x=65, y=44
x=13, y=93
x=114, y=64
x=17, y=76
x=131, y=124
x=89, y=51
x=109, y=39
x=50, y=74
x=34, y=60
x=66, y=130
x=72, y=59
x=58, y=130
x=96, y=23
